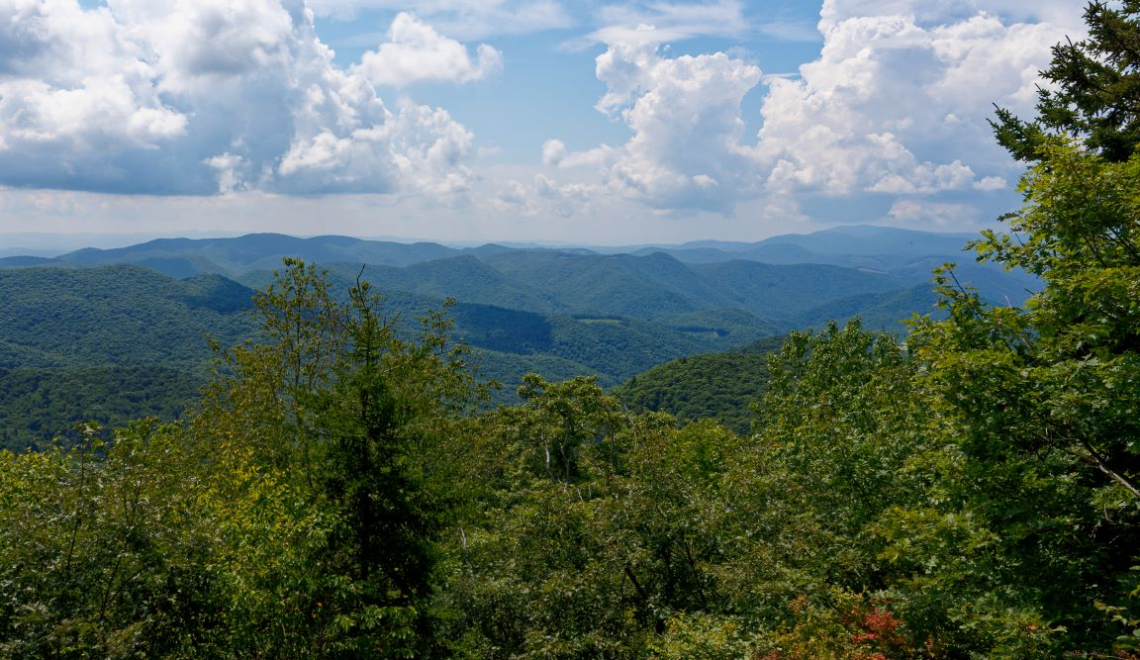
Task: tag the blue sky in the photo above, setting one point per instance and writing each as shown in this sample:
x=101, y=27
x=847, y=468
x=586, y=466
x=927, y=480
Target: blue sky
x=465, y=121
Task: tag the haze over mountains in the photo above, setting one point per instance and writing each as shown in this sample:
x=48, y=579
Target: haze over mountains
x=559, y=312
x=701, y=275
x=855, y=246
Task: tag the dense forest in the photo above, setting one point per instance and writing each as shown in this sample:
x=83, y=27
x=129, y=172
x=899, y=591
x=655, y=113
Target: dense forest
x=340, y=490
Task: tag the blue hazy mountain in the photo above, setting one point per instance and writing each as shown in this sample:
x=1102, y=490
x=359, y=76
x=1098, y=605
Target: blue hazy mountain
x=853, y=246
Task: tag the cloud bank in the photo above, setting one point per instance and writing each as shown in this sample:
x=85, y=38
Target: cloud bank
x=897, y=102
x=895, y=106
x=169, y=97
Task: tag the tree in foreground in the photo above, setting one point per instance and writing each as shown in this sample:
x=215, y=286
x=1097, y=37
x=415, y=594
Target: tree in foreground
x=357, y=420
x=294, y=515
x=1095, y=92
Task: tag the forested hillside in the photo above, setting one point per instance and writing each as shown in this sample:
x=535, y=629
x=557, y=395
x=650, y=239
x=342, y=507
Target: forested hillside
x=124, y=315
x=40, y=407
x=558, y=313
x=70, y=338
x=717, y=386
x=107, y=345
x=577, y=280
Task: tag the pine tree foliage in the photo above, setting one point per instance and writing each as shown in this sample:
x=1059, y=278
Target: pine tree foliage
x=1095, y=91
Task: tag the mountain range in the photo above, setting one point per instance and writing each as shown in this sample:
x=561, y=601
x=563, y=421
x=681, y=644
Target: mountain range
x=855, y=246
x=794, y=279
x=612, y=313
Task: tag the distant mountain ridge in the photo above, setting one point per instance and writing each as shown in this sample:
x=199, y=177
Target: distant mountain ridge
x=235, y=256
x=793, y=280
x=141, y=313
x=850, y=246
x=856, y=246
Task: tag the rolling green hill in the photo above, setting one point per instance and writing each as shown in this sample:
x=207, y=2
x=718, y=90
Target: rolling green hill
x=657, y=286
x=106, y=344
x=720, y=386
x=640, y=282
x=122, y=315
x=463, y=277
x=782, y=292
x=590, y=283
x=877, y=311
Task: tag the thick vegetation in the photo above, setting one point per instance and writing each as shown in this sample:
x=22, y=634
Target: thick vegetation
x=38, y=406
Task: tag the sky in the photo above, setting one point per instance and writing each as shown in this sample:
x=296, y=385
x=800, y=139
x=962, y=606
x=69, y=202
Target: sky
x=590, y=122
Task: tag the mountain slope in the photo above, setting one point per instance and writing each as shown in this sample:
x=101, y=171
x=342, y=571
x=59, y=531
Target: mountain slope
x=463, y=277
x=720, y=386
x=41, y=405
x=558, y=312
x=771, y=291
x=125, y=315
x=869, y=241
x=588, y=283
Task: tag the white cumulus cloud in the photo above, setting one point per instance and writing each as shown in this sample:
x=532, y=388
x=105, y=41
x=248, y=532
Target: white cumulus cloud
x=894, y=107
x=415, y=52
x=684, y=113
x=174, y=97
x=932, y=214
x=553, y=152
x=897, y=102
